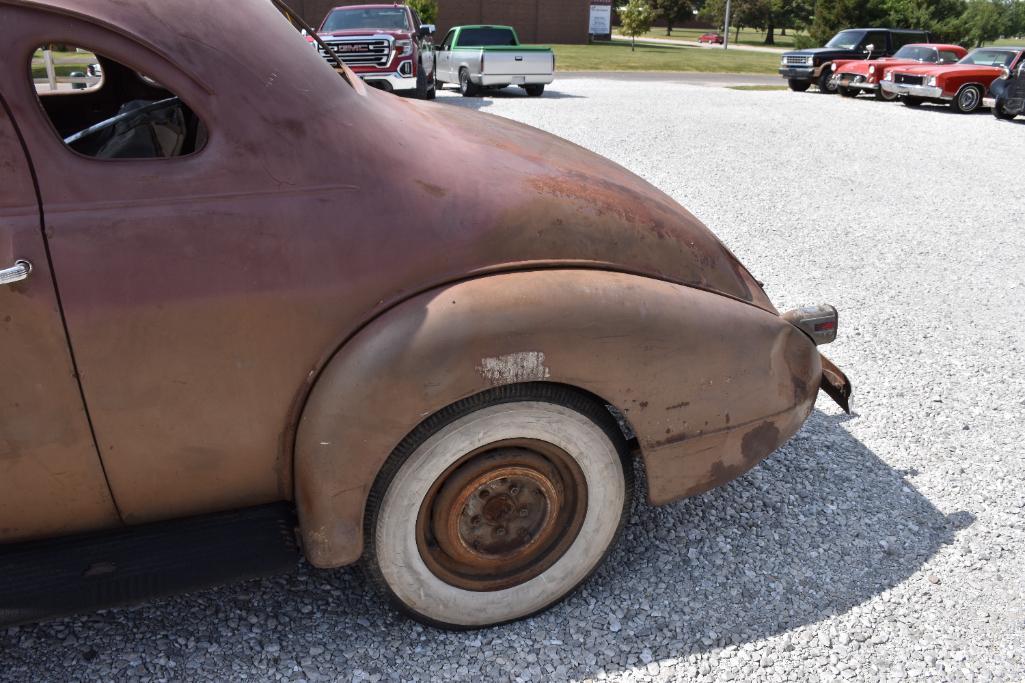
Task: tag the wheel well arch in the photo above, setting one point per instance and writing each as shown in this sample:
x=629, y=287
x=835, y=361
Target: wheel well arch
x=665, y=356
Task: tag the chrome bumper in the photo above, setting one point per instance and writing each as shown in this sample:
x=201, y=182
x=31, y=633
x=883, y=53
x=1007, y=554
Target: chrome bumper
x=861, y=85
x=929, y=92
x=394, y=80
x=515, y=79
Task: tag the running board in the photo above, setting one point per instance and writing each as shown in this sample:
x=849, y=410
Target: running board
x=57, y=577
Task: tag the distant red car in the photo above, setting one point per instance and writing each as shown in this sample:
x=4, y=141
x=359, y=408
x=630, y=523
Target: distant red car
x=853, y=77
x=961, y=85
x=715, y=38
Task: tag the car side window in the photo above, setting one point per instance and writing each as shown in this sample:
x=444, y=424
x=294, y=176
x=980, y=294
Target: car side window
x=447, y=45
x=877, y=39
x=106, y=110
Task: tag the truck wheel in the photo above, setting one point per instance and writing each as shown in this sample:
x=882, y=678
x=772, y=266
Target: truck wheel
x=466, y=86
x=911, y=101
x=1001, y=113
x=967, y=100
x=432, y=88
x=421, y=83
x=498, y=506
x=798, y=86
x=825, y=79
x=535, y=90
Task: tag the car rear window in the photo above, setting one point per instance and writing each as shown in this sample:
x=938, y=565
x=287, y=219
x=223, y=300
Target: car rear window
x=483, y=37
x=989, y=58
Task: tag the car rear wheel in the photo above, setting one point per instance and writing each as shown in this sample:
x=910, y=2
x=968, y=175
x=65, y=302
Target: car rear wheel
x=911, y=101
x=825, y=83
x=498, y=506
x=466, y=86
x=535, y=90
x=798, y=86
x=967, y=100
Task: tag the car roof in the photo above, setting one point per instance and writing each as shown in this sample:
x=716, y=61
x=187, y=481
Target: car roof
x=190, y=34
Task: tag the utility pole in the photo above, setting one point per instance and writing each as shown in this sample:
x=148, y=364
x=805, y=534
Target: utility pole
x=726, y=27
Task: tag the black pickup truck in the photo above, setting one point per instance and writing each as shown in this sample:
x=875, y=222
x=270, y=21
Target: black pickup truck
x=803, y=68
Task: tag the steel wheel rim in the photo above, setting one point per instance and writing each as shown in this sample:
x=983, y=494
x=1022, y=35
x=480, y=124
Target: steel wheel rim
x=969, y=99
x=501, y=515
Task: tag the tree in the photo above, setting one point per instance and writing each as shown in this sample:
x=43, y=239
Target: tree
x=635, y=19
x=832, y=16
x=673, y=11
x=983, y=20
x=427, y=9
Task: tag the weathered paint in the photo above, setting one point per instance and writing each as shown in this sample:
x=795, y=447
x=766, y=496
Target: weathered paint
x=522, y=366
x=205, y=296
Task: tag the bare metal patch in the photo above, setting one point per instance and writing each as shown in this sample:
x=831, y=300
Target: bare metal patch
x=524, y=366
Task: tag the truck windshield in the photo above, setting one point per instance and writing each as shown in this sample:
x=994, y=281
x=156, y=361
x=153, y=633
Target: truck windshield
x=918, y=53
x=382, y=18
x=846, y=40
x=485, y=36
x=989, y=58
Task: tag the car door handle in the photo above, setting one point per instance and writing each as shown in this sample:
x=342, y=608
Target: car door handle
x=16, y=273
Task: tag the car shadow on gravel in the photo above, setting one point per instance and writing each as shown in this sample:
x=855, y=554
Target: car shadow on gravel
x=511, y=93
x=821, y=526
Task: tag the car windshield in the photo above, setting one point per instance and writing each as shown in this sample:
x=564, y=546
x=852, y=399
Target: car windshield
x=485, y=36
x=382, y=18
x=989, y=57
x=918, y=53
x=846, y=40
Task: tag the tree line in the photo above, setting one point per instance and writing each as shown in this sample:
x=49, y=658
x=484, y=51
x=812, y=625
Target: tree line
x=966, y=22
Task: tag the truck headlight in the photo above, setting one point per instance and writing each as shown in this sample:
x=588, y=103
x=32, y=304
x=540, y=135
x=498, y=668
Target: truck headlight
x=404, y=47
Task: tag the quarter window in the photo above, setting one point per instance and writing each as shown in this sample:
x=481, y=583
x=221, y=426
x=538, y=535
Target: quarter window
x=106, y=110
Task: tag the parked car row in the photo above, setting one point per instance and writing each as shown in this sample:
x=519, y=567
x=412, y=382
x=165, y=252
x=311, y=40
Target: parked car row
x=887, y=64
x=389, y=47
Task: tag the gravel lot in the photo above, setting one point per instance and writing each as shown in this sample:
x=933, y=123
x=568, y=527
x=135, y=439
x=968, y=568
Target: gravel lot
x=881, y=546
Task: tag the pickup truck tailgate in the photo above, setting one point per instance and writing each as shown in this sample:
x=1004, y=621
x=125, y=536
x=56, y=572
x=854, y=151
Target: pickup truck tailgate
x=514, y=62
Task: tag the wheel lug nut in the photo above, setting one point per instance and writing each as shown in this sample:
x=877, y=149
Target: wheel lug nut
x=523, y=512
x=514, y=490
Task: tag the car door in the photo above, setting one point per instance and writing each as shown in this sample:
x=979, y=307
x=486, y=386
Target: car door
x=51, y=479
x=445, y=59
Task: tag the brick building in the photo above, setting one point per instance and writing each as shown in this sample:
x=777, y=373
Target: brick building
x=536, y=21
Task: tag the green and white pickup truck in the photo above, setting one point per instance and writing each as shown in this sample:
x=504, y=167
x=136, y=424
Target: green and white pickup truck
x=479, y=57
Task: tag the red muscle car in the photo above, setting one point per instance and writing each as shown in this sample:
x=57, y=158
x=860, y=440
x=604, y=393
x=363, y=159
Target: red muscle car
x=714, y=38
x=855, y=76
x=962, y=85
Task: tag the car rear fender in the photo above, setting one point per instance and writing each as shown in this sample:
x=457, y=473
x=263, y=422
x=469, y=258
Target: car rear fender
x=709, y=385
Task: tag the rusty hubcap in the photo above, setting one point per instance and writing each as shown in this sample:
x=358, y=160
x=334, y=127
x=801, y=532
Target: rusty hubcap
x=502, y=516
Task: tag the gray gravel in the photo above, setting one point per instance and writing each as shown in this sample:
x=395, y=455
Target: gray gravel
x=882, y=546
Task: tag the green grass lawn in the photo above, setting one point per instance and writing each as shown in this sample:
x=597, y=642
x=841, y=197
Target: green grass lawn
x=652, y=57
x=1008, y=41
x=748, y=36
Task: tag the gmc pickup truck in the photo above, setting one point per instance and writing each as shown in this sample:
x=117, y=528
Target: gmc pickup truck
x=803, y=68
x=481, y=57
x=385, y=45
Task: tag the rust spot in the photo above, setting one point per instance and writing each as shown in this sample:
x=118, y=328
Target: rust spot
x=677, y=406
x=432, y=189
x=643, y=404
x=727, y=418
x=760, y=441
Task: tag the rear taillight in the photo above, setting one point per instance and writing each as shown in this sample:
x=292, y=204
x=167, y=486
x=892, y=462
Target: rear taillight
x=818, y=322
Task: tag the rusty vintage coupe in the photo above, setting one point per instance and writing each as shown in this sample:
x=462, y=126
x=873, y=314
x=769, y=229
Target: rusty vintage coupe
x=243, y=310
